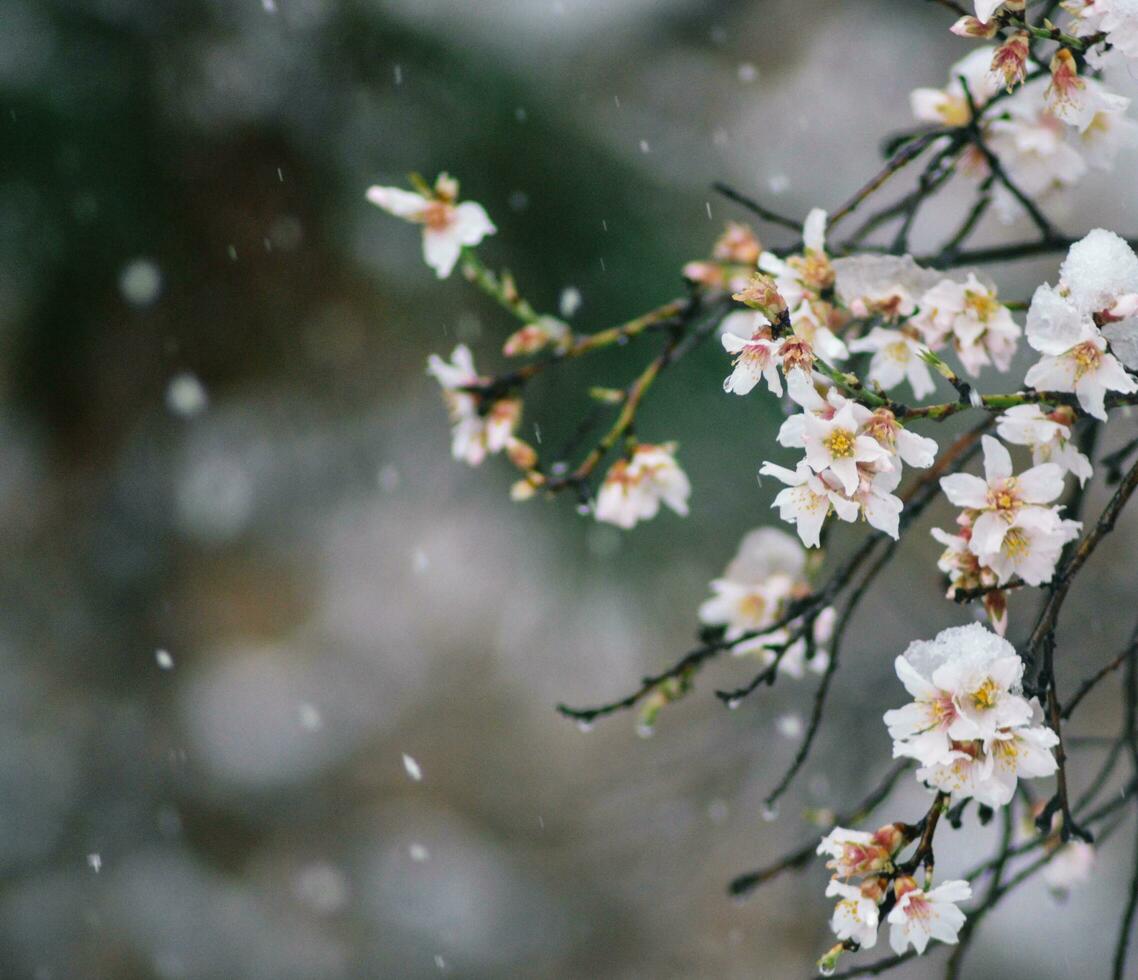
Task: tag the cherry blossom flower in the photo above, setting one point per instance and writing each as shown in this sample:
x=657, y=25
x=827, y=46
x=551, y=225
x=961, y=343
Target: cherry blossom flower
x=949, y=106
x=921, y=915
x=896, y=358
x=913, y=449
x=1071, y=864
x=633, y=489
x=807, y=501
x=856, y=852
x=1047, y=434
x=856, y=916
x=1031, y=546
x=477, y=430
x=1077, y=101
x=1085, y=369
x=747, y=335
x=965, y=685
x=988, y=770
x=985, y=9
x=970, y=317
x=767, y=572
x=447, y=225
x=999, y=496
x=833, y=445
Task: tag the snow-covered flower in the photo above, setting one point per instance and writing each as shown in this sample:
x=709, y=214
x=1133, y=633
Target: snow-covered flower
x=447, y=225
x=896, y=358
x=633, y=489
x=477, y=429
x=1087, y=370
x=965, y=685
x=968, y=316
x=807, y=500
x=855, y=916
x=766, y=574
x=856, y=852
x=999, y=496
x=1119, y=18
x=1098, y=269
x=747, y=335
x=1047, y=434
x=921, y=915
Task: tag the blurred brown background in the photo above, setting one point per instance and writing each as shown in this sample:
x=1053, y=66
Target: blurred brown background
x=181, y=201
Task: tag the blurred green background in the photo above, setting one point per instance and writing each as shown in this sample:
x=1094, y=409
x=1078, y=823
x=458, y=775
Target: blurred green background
x=183, y=227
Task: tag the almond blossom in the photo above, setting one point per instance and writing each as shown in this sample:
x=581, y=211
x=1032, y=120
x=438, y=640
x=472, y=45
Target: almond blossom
x=1047, y=434
x=1077, y=101
x=921, y=915
x=965, y=685
x=807, y=501
x=448, y=226
x=766, y=574
x=856, y=916
x=477, y=429
x=949, y=106
x=856, y=852
x=634, y=488
x=834, y=445
x=999, y=496
x=747, y=335
x=968, y=316
x=896, y=358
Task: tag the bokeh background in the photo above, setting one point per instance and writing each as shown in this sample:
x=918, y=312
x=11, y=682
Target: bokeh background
x=242, y=577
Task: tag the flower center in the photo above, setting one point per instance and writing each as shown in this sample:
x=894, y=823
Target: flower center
x=986, y=695
x=982, y=304
x=1004, y=498
x=437, y=215
x=899, y=351
x=1087, y=358
x=840, y=443
x=1015, y=543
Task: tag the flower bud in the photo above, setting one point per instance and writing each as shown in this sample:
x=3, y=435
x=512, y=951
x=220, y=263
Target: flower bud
x=737, y=244
x=522, y=490
x=536, y=336
x=521, y=454
x=891, y=837
x=903, y=885
x=704, y=273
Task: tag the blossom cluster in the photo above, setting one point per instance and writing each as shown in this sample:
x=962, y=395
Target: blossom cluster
x=1009, y=526
x=752, y=602
x=969, y=725
x=1049, y=132
x=852, y=461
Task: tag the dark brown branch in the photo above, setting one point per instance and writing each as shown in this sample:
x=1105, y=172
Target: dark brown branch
x=757, y=209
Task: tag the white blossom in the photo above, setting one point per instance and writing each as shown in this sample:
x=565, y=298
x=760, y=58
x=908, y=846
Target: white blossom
x=633, y=489
x=1087, y=370
x=833, y=445
x=855, y=916
x=807, y=501
x=747, y=335
x=921, y=915
x=965, y=685
x=477, y=430
x=447, y=225
x=1119, y=18
x=1070, y=865
x=968, y=316
x=896, y=358
x=1048, y=435
x=1000, y=495
x=949, y=106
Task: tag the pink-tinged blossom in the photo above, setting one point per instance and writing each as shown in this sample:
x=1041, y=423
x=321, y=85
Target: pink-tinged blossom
x=1000, y=495
x=965, y=685
x=920, y=915
x=855, y=852
x=968, y=316
x=633, y=489
x=747, y=335
x=1087, y=370
x=448, y=226
x=834, y=445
